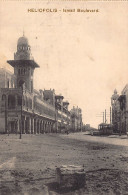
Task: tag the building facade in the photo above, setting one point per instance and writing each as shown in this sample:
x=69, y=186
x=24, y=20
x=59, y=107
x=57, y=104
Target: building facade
x=120, y=111
x=24, y=109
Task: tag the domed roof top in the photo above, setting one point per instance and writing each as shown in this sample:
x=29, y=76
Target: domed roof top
x=115, y=91
x=22, y=41
x=115, y=95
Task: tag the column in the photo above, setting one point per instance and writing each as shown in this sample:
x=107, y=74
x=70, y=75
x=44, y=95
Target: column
x=42, y=126
x=16, y=101
x=50, y=127
x=47, y=127
x=39, y=126
x=24, y=125
x=18, y=126
x=30, y=125
x=36, y=126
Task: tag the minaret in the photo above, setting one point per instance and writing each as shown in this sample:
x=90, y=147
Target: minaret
x=23, y=64
x=114, y=97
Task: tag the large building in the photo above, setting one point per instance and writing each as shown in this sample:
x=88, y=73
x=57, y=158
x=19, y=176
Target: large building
x=24, y=109
x=120, y=111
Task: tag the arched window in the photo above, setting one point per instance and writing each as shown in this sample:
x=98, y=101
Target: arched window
x=30, y=103
x=21, y=82
x=11, y=102
x=8, y=84
x=31, y=86
x=18, y=71
x=3, y=97
x=26, y=102
x=23, y=101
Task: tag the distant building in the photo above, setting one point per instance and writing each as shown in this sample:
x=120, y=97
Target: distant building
x=24, y=109
x=7, y=79
x=86, y=127
x=115, y=112
x=123, y=99
x=76, y=119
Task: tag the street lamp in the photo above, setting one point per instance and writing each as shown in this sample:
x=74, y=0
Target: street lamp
x=21, y=111
x=5, y=112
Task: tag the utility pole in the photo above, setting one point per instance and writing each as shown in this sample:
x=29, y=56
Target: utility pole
x=5, y=107
x=21, y=111
x=110, y=116
x=105, y=115
x=101, y=115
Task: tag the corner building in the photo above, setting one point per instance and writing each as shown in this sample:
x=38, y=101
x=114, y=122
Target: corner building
x=24, y=109
x=120, y=111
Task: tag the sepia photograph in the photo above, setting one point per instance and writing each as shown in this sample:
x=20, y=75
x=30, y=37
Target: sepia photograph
x=63, y=97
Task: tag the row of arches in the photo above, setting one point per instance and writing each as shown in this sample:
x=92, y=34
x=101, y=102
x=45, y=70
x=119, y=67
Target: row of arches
x=16, y=100
x=36, y=126
x=30, y=125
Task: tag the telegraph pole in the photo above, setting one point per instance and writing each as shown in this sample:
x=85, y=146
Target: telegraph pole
x=105, y=115
x=21, y=111
x=101, y=115
x=110, y=116
x=4, y=97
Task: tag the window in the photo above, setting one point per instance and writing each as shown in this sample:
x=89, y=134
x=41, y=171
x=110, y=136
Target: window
x=21, y=71
x=11, y=101
x=3, y=97
x=21, y=82
x=8, y=84
x=19, y=100
x=31, y=86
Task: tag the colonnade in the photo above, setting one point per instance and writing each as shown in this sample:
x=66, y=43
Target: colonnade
x=32, y=125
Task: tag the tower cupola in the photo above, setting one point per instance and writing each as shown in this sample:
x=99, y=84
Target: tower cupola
x=23, y=49
x=23, y=64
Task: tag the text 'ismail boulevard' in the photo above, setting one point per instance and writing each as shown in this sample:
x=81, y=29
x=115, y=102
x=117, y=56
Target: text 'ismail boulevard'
x=55, y=10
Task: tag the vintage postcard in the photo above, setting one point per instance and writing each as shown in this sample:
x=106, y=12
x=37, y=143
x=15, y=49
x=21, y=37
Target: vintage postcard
x=63, y=97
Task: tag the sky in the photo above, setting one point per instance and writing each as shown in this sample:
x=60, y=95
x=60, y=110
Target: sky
x=83, y=56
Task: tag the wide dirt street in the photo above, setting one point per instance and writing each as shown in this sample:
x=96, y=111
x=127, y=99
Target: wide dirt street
x=27, y=166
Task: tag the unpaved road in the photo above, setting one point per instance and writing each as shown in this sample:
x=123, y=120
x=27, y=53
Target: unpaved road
x=113, y=139
x=27, y=166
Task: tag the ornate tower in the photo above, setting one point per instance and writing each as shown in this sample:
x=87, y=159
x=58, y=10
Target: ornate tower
x=23, y=64
x=114, y=97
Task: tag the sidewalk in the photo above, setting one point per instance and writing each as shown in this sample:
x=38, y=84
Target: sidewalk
x=118, y=136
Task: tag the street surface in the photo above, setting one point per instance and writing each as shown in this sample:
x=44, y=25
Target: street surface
x=27, y=166
x=112, y=139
